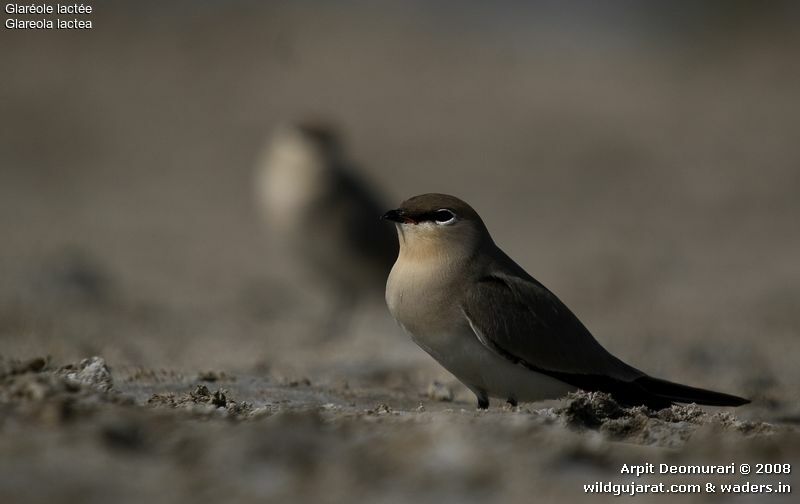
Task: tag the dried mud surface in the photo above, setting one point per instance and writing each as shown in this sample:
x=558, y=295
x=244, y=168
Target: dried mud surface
x=136, y=435
x=638, y=159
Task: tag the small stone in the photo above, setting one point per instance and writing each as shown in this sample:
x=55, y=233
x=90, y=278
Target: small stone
x=440, y=392
x=380, y=409
x=92, y=372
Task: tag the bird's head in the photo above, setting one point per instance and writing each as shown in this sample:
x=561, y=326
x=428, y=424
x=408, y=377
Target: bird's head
x=438, y=224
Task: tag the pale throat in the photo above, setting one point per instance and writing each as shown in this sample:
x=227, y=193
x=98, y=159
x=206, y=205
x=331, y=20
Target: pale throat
x=426, y=260
x=420, y=244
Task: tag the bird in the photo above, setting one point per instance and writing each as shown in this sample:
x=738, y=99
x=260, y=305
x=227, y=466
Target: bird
x=497, y=329
x=321, y=211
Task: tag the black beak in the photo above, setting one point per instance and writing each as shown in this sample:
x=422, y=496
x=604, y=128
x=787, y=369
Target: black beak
x=397, y=215
x=393, y=215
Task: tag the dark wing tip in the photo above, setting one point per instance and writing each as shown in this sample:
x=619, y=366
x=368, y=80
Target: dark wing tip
x=685, y=394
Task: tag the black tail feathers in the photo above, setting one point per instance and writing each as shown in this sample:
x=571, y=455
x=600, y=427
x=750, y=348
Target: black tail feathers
x=661, y=391
x=654, y=393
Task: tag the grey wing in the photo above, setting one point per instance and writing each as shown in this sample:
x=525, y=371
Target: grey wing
x=517, y=317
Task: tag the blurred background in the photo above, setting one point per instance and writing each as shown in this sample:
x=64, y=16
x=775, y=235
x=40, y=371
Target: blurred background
x=641, y=159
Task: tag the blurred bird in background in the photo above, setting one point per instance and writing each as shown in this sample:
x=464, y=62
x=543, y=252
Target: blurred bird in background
x=325, y=218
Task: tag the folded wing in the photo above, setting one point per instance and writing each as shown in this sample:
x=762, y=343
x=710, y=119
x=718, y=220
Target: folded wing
x=517, y=317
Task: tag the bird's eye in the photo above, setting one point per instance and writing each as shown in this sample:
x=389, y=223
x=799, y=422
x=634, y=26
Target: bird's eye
x=444, y=217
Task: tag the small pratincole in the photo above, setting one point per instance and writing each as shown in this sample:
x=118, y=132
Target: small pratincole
x=496, y=328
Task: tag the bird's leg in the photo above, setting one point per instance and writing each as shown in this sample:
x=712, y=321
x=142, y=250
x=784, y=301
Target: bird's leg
x=483, y=400
x=512, y=402
x=481, y=395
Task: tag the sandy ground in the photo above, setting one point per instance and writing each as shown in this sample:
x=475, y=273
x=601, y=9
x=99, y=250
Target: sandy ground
x=85, y=433
x=156, y=346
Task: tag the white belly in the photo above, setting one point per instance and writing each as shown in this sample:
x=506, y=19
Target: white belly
x=480, y=369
